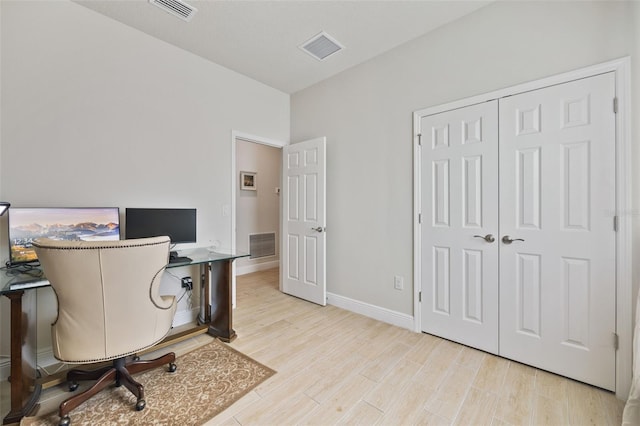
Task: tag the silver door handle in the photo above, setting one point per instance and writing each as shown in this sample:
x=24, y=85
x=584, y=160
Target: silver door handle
x=318, y=229
x=488, y=238
x=507, y=240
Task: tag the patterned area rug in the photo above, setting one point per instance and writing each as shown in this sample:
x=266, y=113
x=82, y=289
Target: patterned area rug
x=208, y=380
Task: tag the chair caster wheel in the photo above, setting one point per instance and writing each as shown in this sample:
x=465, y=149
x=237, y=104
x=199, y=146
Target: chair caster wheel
x=73, y=386
x=65, y=421
x=140, y=405
x=172, y=367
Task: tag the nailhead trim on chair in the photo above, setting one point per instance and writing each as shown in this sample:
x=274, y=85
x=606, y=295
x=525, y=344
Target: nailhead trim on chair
x=94, y=361
x=99, y=247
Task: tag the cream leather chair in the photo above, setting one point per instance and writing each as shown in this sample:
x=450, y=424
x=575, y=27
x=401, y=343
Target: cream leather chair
x=109, y=308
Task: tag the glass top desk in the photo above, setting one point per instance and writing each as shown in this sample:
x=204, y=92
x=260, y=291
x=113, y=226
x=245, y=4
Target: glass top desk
x=215, y=318
x=215, y=289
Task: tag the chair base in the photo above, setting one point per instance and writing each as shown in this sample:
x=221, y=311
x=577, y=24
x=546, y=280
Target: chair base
x=120, y=373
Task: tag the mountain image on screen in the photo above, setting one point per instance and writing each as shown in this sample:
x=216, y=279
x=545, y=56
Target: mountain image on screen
x=58, y=231
x=90, y=224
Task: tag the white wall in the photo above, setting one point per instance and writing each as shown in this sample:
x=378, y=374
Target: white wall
x=366, y=114
x=634, y=23
x=257, y=211
x=96, y=113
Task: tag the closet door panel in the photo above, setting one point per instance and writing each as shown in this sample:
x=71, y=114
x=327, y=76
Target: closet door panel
x=557, y=194
x=459, y=201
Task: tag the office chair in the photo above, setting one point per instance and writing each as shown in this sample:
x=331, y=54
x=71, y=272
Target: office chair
x=109, y=309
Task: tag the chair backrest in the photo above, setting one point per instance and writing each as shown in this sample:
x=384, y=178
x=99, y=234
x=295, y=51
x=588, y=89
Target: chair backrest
x=109, y=303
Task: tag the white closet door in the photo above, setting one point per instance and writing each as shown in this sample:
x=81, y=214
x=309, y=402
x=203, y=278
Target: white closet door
x=459, y=188
x=557, y=193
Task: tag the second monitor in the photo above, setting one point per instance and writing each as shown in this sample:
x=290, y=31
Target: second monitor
x=177, y=224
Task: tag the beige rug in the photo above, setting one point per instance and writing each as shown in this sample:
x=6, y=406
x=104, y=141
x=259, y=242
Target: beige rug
x=208, y=380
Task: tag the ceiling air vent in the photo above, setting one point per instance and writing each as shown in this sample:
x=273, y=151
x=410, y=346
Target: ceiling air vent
x=176, y=8
x=321, y=46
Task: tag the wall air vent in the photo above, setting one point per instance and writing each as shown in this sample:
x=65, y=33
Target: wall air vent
x=176, y=8
x=262, y=245
x=321, y=46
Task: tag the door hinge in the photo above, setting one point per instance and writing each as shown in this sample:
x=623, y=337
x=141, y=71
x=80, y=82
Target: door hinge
x=419, y=296
x=615, y=105
x=420, y=139
x=615, y=223
x=615, y=341
x=419, y=217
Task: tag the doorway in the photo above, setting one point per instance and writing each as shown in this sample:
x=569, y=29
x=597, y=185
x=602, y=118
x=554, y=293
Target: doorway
x=257, y=205
x=255, y=202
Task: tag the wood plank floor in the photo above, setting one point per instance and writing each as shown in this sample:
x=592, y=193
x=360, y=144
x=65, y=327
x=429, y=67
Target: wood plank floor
x=337, y=367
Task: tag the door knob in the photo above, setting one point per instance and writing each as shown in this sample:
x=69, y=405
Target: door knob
x=488, y=238
x=318, y=229
x=507, y=240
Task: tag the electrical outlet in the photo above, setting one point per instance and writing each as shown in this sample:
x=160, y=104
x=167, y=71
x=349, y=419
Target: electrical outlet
x=398, y=282
x=187, y=283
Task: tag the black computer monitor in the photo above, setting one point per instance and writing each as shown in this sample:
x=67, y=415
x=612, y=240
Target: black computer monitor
x=177, y=224
x=59, y=223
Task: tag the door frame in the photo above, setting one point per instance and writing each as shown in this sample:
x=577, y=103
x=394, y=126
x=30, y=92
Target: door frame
x=624, y=283
x=235, y=135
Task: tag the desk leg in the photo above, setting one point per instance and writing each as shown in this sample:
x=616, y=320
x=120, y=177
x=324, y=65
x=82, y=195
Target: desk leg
x=204, y=317
x=221, y=324
x=25, y=392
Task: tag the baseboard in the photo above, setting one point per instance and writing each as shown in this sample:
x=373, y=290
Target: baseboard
x=44, y=356
x=247, y=269
x=5, y=368
x=371, y=311
x=186, y=316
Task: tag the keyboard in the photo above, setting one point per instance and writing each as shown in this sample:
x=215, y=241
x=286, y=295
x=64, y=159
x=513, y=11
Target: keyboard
x=180, y=259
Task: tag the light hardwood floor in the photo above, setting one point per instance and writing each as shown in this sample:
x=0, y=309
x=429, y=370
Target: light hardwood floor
x=337, y=367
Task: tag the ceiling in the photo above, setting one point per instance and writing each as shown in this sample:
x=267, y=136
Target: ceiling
x=260, y=38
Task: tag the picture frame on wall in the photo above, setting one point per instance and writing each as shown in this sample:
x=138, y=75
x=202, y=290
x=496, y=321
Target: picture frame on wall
x=248, y=181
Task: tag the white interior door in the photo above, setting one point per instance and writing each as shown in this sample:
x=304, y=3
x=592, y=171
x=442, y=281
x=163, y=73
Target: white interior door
x=557, y=194
x=303, y=272
x=459, y=188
